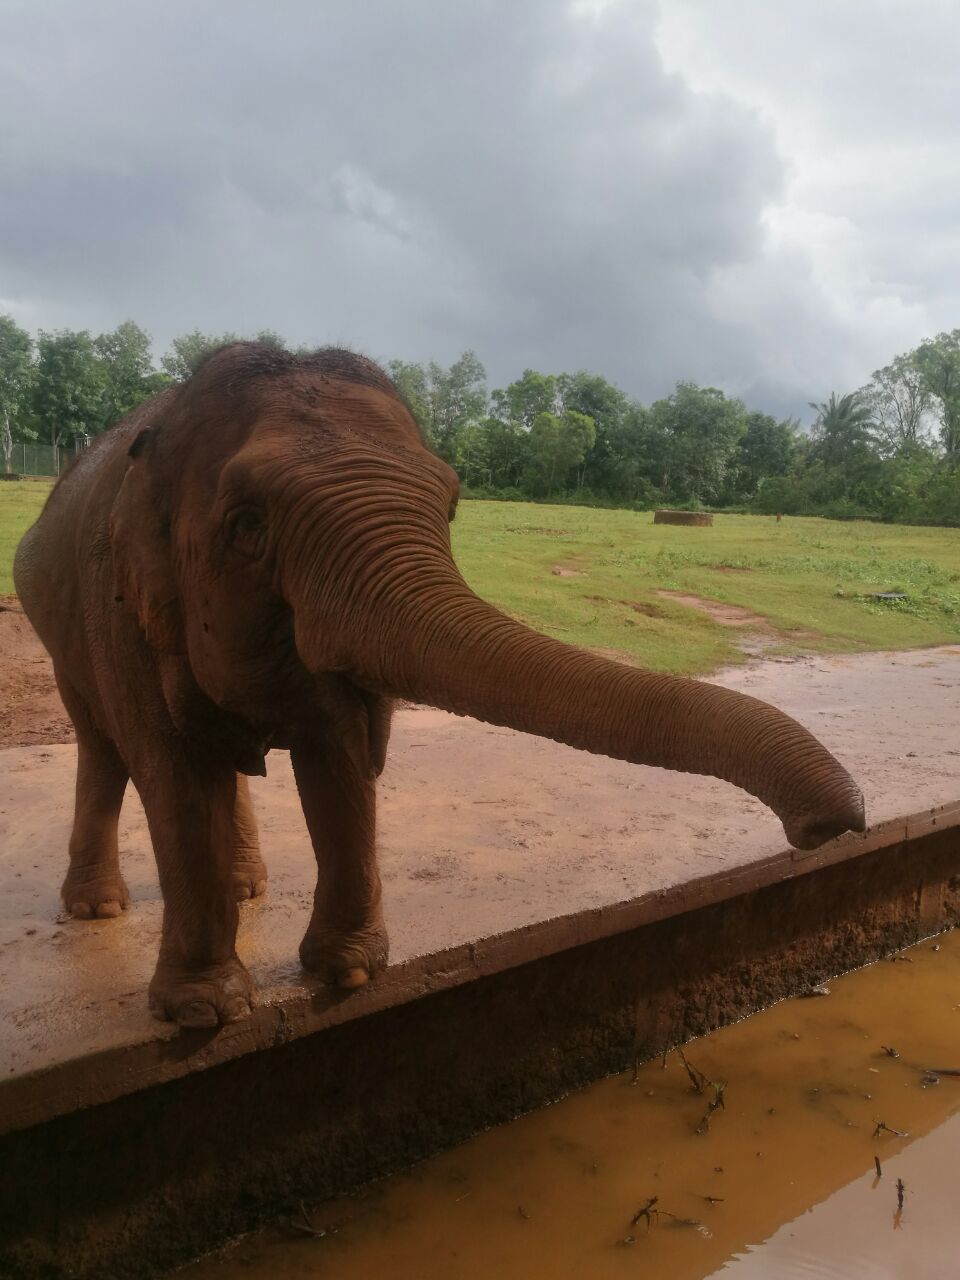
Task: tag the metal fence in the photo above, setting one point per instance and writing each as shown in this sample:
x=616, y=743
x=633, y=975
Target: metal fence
x=39, y=459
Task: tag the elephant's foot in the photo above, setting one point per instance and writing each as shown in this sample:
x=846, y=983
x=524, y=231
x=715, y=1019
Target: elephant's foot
x=95, y=893
x=201, y=997
x=347, y=959
x=249, y=875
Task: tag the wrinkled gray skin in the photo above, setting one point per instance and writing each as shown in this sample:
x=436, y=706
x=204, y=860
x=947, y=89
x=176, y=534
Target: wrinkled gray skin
x=261, y=558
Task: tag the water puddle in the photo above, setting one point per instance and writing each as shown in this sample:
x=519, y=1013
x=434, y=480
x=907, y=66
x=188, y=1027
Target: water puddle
x=769, y=1171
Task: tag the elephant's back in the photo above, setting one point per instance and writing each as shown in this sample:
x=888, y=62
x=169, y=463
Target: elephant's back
x=56, y=553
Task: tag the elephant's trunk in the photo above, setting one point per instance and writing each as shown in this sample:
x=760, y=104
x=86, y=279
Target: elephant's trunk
x=423, y=635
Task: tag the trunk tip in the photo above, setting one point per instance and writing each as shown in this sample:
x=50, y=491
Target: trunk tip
x=810, y=830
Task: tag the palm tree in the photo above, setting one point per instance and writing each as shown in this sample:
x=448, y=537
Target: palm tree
x=841, y=432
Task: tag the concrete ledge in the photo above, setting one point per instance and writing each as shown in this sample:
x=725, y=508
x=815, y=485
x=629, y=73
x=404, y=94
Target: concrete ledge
x=98, y=1077
x=448, y=1044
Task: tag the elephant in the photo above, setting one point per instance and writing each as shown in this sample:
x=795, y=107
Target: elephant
x=260, y=558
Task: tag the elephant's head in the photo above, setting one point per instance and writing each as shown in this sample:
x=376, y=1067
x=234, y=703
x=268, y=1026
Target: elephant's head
x=285, y=520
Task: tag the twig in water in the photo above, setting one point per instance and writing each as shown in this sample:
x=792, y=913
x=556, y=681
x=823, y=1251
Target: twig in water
x=683, y=1222
x=309, y=1228
x=647, y=1212
x=714, y=1199
x=882, y=1127
x=718, y=1104
x=945, y=1071
x=697, y=1078
x=523, y=1213
x=891, y=1053
x=876, y=1161
x=900, y=1190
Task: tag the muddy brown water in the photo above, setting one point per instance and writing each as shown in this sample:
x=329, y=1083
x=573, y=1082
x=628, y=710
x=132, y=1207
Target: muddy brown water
x=779, y=1182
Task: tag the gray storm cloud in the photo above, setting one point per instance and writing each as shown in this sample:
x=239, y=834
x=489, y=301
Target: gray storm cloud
x=545, y=184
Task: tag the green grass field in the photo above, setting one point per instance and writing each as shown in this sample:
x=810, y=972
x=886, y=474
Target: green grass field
x=810, y=580
x=20, y=503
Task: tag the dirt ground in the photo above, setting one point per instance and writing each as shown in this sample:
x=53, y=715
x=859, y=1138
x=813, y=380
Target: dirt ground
x=31, y=713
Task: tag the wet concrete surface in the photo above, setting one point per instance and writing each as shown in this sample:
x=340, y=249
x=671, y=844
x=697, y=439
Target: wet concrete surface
x=780, y=1181
x=482, y=831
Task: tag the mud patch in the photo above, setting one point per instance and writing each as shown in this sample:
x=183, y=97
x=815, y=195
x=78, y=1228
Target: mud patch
x=561, y=571
x=727, y=615
x=643, y=607
x=545, y=533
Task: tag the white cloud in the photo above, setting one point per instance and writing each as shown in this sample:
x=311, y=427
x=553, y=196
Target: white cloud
x=749, y=196
x=862, y=99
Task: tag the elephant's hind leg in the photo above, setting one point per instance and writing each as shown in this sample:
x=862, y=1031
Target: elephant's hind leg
x=94, y=887
x=249, y=870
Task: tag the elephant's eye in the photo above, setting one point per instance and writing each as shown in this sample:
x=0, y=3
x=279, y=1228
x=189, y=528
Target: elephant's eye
x=245, y=527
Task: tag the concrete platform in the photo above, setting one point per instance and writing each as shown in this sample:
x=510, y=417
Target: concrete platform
x=589, y=909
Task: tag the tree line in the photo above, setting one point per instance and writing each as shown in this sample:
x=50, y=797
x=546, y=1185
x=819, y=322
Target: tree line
x=888, y=450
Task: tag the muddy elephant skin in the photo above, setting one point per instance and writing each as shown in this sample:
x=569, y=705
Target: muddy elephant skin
x=261, y=558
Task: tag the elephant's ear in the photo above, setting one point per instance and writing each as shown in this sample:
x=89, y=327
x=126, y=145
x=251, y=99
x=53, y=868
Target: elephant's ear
x=142, y=554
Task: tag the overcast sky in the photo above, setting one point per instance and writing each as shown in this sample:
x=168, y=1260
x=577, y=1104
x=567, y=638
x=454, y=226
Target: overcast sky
x=752, y=194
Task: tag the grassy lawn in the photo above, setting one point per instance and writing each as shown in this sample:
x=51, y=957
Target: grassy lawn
x=810, y=581
x=20, y=503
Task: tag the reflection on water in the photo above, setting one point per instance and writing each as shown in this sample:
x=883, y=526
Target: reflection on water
x=859, y=1231
x=647, y=1176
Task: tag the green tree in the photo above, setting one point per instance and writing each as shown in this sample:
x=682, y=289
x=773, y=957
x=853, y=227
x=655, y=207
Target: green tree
x=128, y=373
x=270, y=338
x=68, y=387
x=841, y=434
x=413, y=383
x=900, y=402
x=697, y=431
x=458, y=398
x=938, y=360
x=766, y=449
x=558, y=446
x=472, y=457
x=443, y=401
x=16, y=381
x=507, y=451
x=522, y=401
x=593, y=395
x=189, y=349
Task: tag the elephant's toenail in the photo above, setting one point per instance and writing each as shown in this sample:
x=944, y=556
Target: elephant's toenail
x=235, y=1009
x=198, y=1013
x=351, y=978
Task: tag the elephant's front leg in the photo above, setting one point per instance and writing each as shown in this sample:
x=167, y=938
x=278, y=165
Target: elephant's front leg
x=192, y=812
x=346, y=939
